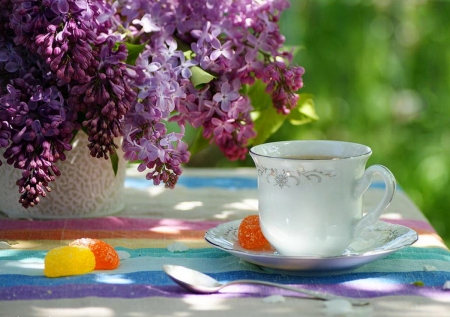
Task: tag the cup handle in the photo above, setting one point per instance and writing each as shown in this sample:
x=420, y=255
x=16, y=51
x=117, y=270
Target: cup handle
x=363, y=184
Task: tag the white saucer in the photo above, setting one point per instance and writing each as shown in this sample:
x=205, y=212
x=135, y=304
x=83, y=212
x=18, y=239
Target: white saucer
x=377, y=241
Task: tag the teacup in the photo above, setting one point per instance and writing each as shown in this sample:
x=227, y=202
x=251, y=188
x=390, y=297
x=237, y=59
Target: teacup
x=310, y=195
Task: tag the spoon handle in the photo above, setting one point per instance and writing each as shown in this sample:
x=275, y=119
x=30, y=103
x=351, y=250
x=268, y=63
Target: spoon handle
x=314, y=294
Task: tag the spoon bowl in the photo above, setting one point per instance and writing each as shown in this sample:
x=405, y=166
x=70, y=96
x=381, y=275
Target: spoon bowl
x=198, y=282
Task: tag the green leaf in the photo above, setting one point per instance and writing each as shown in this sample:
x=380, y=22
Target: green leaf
x=305, y=111
x=267, y=120
x=257, y=93
x=418, y=283
x=188, y=54
x=183, y=46
x=199, y=143
x=133, y=52
x=114, y=162
x=200, y=77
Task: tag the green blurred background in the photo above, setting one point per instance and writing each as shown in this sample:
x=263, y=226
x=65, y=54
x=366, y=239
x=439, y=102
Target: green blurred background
x=380, y=75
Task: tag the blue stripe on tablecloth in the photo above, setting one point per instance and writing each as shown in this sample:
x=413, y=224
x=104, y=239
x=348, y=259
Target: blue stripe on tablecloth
x=228, y=183
x=17, y=255
x=159, y=278
x=29, y=262
x=145, y=284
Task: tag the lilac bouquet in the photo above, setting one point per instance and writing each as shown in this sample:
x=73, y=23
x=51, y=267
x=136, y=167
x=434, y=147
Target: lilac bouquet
x=126, y=68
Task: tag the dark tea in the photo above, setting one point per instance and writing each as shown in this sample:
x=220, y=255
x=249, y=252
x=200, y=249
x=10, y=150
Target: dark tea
x=311, y=157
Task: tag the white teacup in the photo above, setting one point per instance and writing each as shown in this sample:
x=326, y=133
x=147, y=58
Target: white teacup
x=310, y=195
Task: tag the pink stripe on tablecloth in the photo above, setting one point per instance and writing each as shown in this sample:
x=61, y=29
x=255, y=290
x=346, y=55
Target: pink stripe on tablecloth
x=122, y=223
x=106, y=223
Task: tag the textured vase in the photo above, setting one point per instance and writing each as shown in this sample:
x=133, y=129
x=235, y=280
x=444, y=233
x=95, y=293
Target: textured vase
x=87, y=187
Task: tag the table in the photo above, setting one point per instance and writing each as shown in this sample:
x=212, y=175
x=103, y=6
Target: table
x=155, y=219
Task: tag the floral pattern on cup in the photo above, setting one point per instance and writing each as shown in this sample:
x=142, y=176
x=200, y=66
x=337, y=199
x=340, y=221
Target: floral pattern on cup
x=286, y=178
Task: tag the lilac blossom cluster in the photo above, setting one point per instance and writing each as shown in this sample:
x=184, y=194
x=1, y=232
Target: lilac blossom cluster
x=125, y=69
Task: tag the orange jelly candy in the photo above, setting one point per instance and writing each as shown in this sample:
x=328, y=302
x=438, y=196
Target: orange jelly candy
x=250, y=235
x=106, y=258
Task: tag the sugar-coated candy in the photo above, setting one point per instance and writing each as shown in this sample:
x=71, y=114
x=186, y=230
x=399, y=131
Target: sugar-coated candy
x=106, y=258
x=68, y=260
x=250, y=235
x=177, y=247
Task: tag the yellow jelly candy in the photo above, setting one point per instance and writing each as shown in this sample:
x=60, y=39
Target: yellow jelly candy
x=68, y=260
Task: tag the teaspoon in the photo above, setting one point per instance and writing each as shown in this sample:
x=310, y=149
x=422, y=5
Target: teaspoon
x=198, y=282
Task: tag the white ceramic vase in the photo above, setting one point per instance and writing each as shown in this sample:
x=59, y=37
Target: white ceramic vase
x=87, y=187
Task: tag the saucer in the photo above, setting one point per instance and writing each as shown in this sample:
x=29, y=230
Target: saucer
x=376, y=241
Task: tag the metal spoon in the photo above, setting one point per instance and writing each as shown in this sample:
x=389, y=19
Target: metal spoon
x=198, y=282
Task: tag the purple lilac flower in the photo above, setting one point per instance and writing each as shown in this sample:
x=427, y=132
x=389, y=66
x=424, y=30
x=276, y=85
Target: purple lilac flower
x=61, y=31
x=63, y=65
x=226, y=96
x=39, y=134
x=161, y=153
x=282, y=83
x=229, y=44
x=106, y=98
x=36, y=127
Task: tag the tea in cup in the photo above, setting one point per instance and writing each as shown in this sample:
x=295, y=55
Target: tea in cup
x=310, y=195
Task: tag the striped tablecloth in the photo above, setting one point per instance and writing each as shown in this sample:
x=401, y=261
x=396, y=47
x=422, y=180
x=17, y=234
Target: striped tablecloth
x=409, y=282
